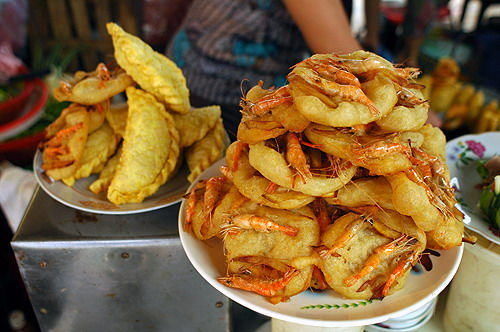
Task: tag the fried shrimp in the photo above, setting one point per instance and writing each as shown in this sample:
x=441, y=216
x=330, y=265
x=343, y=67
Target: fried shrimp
x=262, y=157
x=94, y=87
x=256, y=187
x=335, y=183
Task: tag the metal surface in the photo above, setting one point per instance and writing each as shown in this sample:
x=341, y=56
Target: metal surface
x=88, y=272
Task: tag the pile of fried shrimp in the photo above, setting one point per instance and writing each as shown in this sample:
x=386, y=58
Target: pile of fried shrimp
x=335, y=182
x=136, y=146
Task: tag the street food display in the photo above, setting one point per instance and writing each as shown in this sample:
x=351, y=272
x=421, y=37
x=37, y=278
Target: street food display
x=462, y=103
x=335, y=182
x=134, y=147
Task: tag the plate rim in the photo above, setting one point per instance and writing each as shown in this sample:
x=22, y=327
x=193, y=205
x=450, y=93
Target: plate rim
x=489, y=235
x=16, y=126
x=308, y=321
x=41, y=184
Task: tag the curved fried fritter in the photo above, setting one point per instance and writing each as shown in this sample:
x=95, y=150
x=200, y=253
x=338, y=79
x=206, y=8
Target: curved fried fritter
x=255, y=187
x=195, y=124
x=363, y=265
x=153, y=71
x=253, y=130
x=116, y=116
x=366, y=191
x=446, y=235
x=272, y=165
x=202, y=154
x=380, y=154
x=274, y=245
x=73, y=114
x=93, y=88
x=230, y=201
x=106, y=175
x=150, y=150
x=99, y=146
x=403, y=118
x=318, y=108
x=411, y=200
x=284, y=113
x=434, y=140
x=66, y=139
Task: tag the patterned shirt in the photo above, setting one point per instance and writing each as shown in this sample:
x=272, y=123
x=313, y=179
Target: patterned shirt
x=222, y=42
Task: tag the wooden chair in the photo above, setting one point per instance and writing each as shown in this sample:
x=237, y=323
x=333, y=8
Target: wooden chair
x=80, y=24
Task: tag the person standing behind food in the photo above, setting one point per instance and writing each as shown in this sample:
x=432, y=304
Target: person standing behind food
x=222, y=41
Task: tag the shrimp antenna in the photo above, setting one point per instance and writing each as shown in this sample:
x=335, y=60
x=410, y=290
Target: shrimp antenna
x=244, y=86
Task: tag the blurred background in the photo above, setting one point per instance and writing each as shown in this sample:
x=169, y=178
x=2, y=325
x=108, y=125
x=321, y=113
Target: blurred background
x=455, y=43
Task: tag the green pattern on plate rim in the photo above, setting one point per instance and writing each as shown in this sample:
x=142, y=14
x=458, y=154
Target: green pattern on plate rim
x=338, y=306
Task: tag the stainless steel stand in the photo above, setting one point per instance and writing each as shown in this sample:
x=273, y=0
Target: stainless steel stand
x=88, y=272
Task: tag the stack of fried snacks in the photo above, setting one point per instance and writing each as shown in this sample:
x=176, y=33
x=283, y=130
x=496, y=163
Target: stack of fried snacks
x=134, y=147
x=335, y=182
x=462, y=104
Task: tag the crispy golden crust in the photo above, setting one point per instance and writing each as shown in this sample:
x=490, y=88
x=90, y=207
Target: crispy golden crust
x=153, y=71
x=434, y=140
x=206, y=151
x=276, y=245
x=366, y=191
x=100, y=145
x=150, y=150
x=411, y=200
x=354, y=254
x=448, y=234
x=403, y=118
x=195, y=124
x=91, y=90
x=319, y=109
x=255, y=187
x=116, y=116
x=106, y=175
x=272, y=165
x=340, y=144
x=65, y=145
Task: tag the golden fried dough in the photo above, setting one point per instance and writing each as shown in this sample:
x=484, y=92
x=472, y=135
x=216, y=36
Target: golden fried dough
x=153, y=71
x=206, y=151
x=93, y=88
x=195, y=124
x=106, y=175
x=116, y=116
x=272, y=165
x=99, y=146
x=150, y=150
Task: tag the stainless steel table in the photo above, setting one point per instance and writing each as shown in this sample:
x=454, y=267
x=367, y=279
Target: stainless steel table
x=88, y=272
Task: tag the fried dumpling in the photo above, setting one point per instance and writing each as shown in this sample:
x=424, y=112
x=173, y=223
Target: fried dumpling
x=100, y=145
x=65, y=144
x=106, y=175
x=206, y=151
x=116, y=116
x=153, y=71
x=150, y=150
x=195, y=124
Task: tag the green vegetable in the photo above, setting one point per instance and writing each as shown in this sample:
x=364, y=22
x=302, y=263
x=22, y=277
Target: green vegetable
x=483, y=171
x=497, y=219
x=53, y=109
x=11, y=90
x=489, y=203
x=4, y=95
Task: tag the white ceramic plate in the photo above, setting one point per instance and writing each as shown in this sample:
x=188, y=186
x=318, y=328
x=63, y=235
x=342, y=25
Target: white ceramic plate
x=81, y=198
x=325, y=309
x=462, y=154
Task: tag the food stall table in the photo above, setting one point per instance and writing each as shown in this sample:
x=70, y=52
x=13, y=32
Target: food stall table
x=86, y=271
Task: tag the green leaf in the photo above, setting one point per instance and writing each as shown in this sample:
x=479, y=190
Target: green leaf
x=483, y=171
